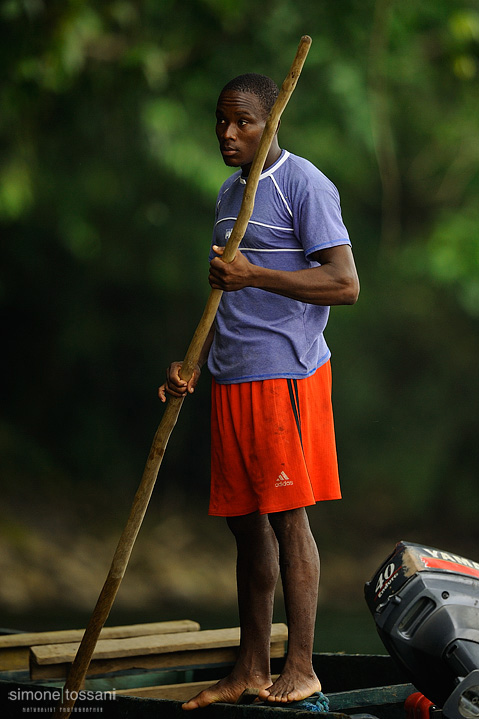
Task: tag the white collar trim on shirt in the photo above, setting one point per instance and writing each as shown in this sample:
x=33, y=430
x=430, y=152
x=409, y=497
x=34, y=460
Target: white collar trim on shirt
x=282, y=158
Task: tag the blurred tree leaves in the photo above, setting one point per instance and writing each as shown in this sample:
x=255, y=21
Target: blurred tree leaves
x=108, y=176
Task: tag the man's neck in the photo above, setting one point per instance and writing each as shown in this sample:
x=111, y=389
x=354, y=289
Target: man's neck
x=272, y=157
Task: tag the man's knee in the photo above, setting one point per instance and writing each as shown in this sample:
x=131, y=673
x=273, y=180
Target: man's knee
x=289, y=521
x=247, y=525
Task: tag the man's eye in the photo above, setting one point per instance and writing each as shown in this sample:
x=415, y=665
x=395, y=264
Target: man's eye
x=242, y=122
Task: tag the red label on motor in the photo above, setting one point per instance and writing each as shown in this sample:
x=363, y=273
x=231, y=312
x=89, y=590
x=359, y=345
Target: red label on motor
x=432, y=563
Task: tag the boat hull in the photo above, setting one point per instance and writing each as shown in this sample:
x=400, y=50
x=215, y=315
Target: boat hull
x=354, y=684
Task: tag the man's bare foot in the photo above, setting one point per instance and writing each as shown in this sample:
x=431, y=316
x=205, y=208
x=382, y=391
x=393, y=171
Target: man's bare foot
x=290, y=687
x=227, y=690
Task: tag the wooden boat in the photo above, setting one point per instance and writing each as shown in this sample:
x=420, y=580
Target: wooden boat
x=149, y=670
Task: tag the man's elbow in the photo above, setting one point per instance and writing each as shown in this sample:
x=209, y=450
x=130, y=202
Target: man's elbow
x=349, y=291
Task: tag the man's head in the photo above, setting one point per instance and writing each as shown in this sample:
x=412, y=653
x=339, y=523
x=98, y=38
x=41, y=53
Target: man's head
x=265, y=89
x=241, y=113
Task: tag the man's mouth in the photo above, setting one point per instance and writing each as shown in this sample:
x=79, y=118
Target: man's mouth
x=228, y=151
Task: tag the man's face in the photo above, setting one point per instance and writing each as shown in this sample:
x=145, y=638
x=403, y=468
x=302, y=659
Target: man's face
x=240, y=120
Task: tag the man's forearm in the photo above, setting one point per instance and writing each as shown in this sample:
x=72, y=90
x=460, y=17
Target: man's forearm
x=316, y=285
x=334, y=281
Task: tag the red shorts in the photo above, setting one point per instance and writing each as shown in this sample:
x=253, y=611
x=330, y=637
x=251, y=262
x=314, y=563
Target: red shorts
x=272, y=445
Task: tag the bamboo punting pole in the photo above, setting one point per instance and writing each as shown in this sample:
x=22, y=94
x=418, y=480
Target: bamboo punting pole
x=80, y=665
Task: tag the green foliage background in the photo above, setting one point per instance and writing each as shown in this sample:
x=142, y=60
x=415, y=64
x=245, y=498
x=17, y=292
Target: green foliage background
x=108, y=175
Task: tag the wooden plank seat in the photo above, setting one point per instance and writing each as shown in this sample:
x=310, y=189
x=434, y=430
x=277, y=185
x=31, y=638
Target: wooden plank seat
x=15, y=648
x=167, y=651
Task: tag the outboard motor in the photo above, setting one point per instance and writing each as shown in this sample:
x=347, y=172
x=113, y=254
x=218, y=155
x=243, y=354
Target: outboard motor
x=425, y=603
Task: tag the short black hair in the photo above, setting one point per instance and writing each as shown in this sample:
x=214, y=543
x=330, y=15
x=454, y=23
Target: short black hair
x=265, y=89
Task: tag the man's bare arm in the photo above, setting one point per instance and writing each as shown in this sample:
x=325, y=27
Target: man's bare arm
x=334, y=282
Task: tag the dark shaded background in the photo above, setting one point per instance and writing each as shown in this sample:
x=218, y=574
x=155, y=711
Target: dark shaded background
x=108, y=175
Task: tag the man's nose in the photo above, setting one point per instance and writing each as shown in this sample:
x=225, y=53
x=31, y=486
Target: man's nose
x=229, y=131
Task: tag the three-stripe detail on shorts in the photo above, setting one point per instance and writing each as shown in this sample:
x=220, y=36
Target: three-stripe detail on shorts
x=294, y=398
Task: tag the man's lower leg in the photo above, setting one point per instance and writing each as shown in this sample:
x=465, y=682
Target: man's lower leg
x=299, y=563
x=257, y=574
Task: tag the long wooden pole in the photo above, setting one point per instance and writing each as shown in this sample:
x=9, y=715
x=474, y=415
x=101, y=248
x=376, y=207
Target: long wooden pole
x=80, y=665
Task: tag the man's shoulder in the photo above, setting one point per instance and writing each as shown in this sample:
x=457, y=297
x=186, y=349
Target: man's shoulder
x=303, y=171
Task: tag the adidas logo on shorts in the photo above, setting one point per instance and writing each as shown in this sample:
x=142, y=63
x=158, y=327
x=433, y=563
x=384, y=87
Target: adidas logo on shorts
x=283, y=480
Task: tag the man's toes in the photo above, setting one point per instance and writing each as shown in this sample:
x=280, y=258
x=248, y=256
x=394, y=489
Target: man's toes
x=201, y=700
x=191, y=704
x=264, y=694
x=278, y=699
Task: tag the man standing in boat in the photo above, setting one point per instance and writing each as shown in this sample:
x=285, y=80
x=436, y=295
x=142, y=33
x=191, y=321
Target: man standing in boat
x=273, y=448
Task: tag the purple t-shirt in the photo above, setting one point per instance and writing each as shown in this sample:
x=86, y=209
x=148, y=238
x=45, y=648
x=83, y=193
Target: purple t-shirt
x=260, y=335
